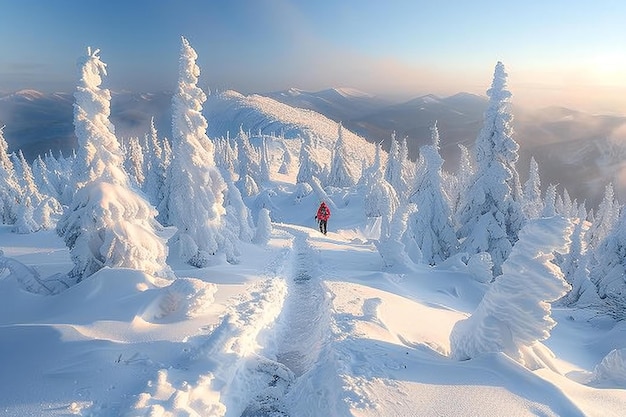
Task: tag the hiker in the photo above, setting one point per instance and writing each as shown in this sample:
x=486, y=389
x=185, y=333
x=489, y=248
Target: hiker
x=323, y=213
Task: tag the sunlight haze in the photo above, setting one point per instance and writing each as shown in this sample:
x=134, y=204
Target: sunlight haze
x=556, y=53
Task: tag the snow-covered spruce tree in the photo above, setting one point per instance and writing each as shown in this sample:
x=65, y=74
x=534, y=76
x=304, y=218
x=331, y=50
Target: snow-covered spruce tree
x=309, y=167
x=36, y=210
x=532, y=204
x=605, y=218
x=59, y=174
x=264, y=163
x=264, y=228
x=156, y=168
x=380, y=199
x=41, y=176
x=549, y=202
x=393, y=168
x=248, y=156
x=432, y=222
x=134, y=162
x=514, y=315
x=9, y=185
x=248, y=165
x=575, y=267
x=391, y=246
x=462, y=181
x=489, y=216
x=196, y=189
x=340, y=175
x=106, y=223
x=287, y=161
x=608, y=269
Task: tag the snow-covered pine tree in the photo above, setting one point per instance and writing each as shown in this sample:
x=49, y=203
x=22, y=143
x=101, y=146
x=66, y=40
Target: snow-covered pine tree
x=575, y=267
x=605, y=218
x=106, y=224
x=41, y=176
x=249, y=158
x=264, y=228
x=532, y=203
x=134, y=162
x=196, y=189
x=36, y=210
x=391, y=246
x=264, y=163
x=309, y=167
x=608, y=269
x=432, y=222
x=59, y=174
x=379, y=197
x=9, y=186
x=156, y=168
x=549, y=202
x=287, y=161
x=393, y=168
x=463, y=178
x=514, y=314
x=489, y=216
x=340, y=175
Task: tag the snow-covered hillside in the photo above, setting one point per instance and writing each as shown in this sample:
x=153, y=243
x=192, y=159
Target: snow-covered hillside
x=229, y=111
x=308, y=325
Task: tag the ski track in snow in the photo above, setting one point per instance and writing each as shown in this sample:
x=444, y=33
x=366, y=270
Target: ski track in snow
x=266, y=342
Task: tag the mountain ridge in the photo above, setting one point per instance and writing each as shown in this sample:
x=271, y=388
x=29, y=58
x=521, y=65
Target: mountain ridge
x=566, y=142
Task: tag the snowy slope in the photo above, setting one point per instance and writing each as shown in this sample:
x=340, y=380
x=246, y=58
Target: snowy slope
x=308, y=325
x=229, y=111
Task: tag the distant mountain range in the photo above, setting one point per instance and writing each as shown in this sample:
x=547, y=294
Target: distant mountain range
x=579, y=151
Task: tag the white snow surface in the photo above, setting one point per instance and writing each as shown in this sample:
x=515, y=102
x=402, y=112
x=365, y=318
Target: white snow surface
x=303, y=325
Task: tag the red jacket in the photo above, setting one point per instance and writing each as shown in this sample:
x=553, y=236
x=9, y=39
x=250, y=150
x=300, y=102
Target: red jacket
x=323, y=213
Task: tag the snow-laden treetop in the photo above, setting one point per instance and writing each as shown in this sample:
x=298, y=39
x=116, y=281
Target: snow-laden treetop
x=91, y=69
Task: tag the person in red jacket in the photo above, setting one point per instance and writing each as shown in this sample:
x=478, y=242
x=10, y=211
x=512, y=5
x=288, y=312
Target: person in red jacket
x=323, y=213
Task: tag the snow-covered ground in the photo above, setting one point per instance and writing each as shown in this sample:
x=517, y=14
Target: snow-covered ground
x=307, y=325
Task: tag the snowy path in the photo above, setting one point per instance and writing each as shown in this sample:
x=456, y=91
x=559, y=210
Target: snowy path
x=268, y=338
x=300, y=333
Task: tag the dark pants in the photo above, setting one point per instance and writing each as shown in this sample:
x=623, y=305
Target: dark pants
x=323, y=226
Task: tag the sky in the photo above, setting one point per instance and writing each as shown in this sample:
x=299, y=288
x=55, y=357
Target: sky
x=556, y=52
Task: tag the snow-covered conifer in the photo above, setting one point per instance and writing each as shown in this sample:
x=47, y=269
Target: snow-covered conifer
x=340, y=175
x=575, y=267
x=393, y=168
x=391, y=246
x=380, y=199
x=9, y=186
x=605, y=218
x=196, y=188
x=264, y=163
x=432, y=222
x=249, y=158
x=489, y=216
x=156, y=168
x=532, y=203
x=134, y=162
x=287, y=162
x=106, y=224
x=608, y=269
x=462, y=179
x=549, y=202
x=263, y=228
x=41, y=175
x=308, y=165
x=514, y=315
x=35, y=209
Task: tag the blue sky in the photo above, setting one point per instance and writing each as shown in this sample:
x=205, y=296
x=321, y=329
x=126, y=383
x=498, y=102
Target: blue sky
x=556, y=52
